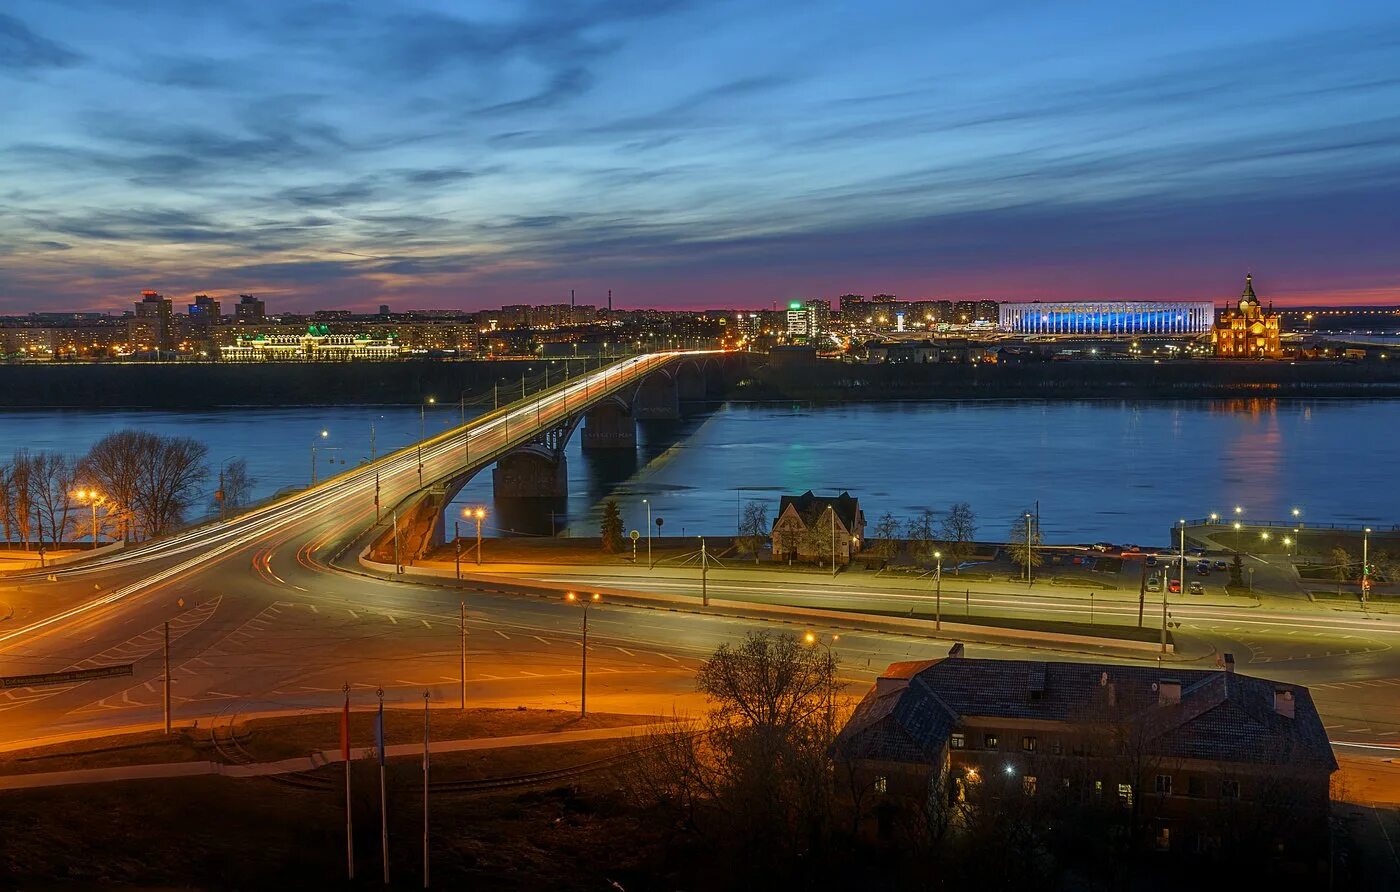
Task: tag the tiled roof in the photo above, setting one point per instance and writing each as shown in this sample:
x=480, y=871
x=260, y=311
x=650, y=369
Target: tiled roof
x=810, y=507
x=1220, y=716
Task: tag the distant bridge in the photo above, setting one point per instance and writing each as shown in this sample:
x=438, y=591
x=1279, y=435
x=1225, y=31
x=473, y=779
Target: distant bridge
x=526, y=439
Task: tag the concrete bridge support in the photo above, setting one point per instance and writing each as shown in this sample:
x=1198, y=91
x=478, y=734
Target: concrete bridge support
x=690, y=383
x=531, y=473
x=609, y=425
x=657, y=399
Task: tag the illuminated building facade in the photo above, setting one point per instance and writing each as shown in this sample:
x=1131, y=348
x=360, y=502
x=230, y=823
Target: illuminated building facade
x=316, y=345
x=1108, y=318
x=1248, y=331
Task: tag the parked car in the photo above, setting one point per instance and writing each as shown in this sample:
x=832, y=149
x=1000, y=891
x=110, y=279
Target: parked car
x=1196, y=588
x=1203, y=568
x=1222, y=565
x=1130, y=549
x=1154, y=584
x=1151, y=560
x=1174, y=586
x=1102, y=546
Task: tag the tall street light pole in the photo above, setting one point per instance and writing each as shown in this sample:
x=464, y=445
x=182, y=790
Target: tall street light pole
x=1365, y=564
x=938, y=593
x=478, y=515
x=811, y=638
x=1028, y=550
x=648, y=504
x=324, y=435
x=583, y=676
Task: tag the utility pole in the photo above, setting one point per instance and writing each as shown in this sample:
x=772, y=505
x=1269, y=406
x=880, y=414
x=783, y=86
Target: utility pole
x=398, y=567
x=831, y=510
x=938, y=593
x=457, y=541
x=704, y=574
x=426, y=733
x=166, y=656
x=462, y=634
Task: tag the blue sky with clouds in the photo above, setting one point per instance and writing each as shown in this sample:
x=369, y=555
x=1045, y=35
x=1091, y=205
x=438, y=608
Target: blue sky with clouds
x=695, y=153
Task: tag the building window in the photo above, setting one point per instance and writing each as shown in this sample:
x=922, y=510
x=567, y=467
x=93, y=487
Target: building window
x=1164, y=785
x=1230, y=789
x=1195, y=786
x=957, y=741
x=989, y=741
x=1125, y=795
x=1027, y=744
x=1055, y=748
x=1164, y=838
x=881, y=784
x=1098, y=788
x=1028, y=785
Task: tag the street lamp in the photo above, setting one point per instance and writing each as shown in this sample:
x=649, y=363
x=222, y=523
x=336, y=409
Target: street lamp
x=422, y=416
x=324, y=435
x=647, y=502
x=478, y=514
x=1298, y=513
x=1028, y=549
x=1365, y=564
x=938, y=593
x=1288, y=545
x=92, y=497
x=583, y=683
x=811, y=639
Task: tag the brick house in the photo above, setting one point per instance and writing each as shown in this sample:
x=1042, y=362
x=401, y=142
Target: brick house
x=803, y=528
x=1189, y=761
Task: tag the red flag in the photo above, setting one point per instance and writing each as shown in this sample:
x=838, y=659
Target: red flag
x=345, y=730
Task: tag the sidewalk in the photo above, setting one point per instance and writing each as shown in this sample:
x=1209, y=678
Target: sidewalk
x=305, y=763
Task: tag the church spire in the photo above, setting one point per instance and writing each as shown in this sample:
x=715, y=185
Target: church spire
x=1248, y=293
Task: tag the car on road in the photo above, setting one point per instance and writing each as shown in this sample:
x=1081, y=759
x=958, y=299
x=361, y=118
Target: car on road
x=1198, y=552
x=1151, y=560
x=1102, y=546
x=1174, y=586
x=1196, y=588
x=1222, y=565
x=1203, y=568
x=1130, y=549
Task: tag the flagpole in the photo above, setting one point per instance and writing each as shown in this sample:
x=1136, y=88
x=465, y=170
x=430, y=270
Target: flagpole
x=345, y=757
x=383, y=802
x=426, y=695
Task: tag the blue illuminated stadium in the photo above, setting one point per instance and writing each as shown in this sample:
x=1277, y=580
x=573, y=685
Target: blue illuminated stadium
x=1108, y=318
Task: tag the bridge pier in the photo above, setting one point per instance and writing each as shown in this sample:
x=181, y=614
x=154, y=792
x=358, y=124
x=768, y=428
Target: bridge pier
x=531, y=474
x=609, y=425
x=657, y=399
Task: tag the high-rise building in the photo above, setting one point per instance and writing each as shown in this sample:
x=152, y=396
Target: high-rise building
x=150, y=328
x=249, y=309
x=806, y=320
x=205, y=309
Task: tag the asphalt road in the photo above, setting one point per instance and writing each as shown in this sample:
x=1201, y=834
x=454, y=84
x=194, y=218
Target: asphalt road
x=261, y=620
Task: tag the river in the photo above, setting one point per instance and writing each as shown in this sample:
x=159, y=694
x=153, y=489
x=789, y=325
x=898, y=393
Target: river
x=1116, y=470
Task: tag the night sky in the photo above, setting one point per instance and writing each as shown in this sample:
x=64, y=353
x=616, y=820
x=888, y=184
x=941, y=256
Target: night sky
x=696, y=154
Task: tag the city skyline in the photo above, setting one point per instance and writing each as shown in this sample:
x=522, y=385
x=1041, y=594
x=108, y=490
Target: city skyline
x=686, y=156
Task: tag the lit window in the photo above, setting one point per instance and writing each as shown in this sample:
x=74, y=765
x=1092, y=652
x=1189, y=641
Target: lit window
x=1028, y=785
x=957, y=741
x=1125, y=795
x=881, y=784
x=990, y=741
x=1164, y=785
x=1028, y=744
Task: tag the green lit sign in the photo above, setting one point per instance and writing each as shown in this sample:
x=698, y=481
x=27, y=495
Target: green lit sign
x=795, y=305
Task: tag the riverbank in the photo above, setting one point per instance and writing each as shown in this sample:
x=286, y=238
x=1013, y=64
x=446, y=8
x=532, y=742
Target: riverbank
x=831, y=381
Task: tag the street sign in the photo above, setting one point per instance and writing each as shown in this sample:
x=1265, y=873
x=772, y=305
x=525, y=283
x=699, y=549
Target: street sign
x=70, y=677
x=635, y=535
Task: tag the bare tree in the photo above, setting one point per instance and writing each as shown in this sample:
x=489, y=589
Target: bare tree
x=7, y=504
x=958, y=530
x=21, y=497
x=51, y=482
x=1342, y=569
x=886, y=536
x=753, y=529
x=235, y=485
x=150, y=480
x=920, y=532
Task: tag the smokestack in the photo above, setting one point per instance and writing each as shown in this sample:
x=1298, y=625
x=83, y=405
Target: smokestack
x=571, y=298
x=609, y=300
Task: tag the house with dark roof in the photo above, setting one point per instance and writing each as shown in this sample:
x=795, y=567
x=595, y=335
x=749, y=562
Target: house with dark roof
x=1193, y=760
x=813, y=527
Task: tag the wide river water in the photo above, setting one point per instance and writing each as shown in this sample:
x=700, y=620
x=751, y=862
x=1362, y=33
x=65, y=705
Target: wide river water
x=1116, y=470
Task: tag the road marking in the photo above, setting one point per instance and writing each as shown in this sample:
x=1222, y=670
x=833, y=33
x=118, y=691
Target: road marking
x=531, y=674
x=299, y=588
x=502, y=634
x=352, y=613
x=539, y=639
x=390, y=618
x=313, y=608
x=667, y=656
x=624, y=650
x=426, y=624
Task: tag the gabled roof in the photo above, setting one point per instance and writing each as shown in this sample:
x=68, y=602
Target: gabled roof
x=811, y=507
x=1221, y=715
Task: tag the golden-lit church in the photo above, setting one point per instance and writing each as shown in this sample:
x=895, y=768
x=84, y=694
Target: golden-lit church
x=1249, y=332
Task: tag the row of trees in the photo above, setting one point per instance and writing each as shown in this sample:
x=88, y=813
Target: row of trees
x=952, y=535
x=131, y=484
